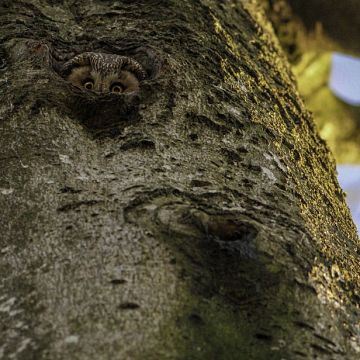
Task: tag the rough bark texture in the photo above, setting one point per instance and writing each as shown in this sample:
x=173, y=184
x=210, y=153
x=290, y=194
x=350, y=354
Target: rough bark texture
x=200, y=219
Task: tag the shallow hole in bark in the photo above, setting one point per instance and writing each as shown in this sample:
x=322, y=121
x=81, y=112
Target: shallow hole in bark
x=232, y=230
x=69, y=190
x=3, y=59
x=242, y=150
x=118, y=281
x=231, y=156
x=253, y=167
x=300, y=353
x=129, y=306
x=200, y=183
x=280, y=186
x=196, y=319
x=218, y=126
x=193, y=136
x=321, y=349
x=262, y=336
x=210, y=100
x=248, y=183
x=138, y=142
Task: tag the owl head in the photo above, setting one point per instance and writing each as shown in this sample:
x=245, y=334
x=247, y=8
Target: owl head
x=104, y=73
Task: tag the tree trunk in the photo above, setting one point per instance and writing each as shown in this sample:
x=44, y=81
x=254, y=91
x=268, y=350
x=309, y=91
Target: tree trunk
x=199, y=219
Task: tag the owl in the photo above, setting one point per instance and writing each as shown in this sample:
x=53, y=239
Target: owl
x=104, y=73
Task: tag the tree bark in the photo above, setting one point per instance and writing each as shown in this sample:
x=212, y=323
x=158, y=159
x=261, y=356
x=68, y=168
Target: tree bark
x=199, y=219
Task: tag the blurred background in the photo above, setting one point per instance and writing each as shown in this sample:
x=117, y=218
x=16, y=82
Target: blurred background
x=330, y=84
x=321, y=39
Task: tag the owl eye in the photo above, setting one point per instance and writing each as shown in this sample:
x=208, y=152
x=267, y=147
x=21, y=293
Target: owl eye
x=117, y=88
x=88, y=84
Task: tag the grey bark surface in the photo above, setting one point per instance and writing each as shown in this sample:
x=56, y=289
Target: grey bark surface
x=199, y=219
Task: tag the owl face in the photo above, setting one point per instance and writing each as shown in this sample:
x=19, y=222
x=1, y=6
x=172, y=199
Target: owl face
x=116, y=82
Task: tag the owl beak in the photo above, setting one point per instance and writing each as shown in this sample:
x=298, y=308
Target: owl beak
x=103, y=87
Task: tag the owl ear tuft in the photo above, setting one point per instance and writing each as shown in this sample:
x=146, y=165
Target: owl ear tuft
x=79, y=60
x=105, y=63
x=134, y=67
